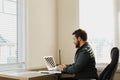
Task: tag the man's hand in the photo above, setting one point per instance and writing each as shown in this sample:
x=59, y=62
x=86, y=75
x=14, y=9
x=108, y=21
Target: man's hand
x=61, y=67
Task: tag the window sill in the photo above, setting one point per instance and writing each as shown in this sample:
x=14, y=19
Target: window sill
x=101, y=67
x=7, y=67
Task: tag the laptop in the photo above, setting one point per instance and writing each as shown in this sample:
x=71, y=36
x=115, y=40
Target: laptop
x=51, y=65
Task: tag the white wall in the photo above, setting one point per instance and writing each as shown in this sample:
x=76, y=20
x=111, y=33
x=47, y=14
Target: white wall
x=41, y=32
x=67, y=23
x=118, y=13
x=44, y=21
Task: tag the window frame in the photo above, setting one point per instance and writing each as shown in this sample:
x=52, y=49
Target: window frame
x=21, y=38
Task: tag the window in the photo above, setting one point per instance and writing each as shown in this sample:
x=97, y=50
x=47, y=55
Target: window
x=98, y=18
x=12, y=28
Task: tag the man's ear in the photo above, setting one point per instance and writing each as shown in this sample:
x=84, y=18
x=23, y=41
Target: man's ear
x=79, y=38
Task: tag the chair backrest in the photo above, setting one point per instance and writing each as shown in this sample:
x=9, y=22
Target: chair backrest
x=109, y=72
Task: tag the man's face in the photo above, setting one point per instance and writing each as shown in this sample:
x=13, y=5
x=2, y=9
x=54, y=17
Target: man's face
x=76, y=41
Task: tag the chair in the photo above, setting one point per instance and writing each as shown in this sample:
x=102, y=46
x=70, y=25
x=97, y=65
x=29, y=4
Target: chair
x=109, y=72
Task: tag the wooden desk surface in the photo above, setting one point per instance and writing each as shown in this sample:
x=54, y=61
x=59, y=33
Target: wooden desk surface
x=23, y=75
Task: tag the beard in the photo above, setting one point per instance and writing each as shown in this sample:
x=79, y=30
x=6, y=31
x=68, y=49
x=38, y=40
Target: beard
x=77, y=45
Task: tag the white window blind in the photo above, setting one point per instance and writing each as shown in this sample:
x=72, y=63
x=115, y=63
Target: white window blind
x=10, y=39
x=97, y=17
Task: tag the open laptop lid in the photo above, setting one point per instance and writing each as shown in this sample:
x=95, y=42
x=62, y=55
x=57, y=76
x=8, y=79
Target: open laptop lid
x=50, y=62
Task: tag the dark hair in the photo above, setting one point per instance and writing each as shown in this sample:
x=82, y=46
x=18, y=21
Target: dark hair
x=80, y=33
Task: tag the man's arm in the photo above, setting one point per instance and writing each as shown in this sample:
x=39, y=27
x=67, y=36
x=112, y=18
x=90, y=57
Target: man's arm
x=79, y=65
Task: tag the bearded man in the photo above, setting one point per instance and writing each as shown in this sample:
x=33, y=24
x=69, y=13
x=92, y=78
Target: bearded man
x=84, y=60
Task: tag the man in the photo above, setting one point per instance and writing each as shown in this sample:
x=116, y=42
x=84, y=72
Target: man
x=84, y=61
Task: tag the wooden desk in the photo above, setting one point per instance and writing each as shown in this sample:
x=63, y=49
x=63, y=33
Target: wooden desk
x=26, y=75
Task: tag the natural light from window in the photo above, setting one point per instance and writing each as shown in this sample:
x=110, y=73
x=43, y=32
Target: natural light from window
x=97, y=17
x=8, y=31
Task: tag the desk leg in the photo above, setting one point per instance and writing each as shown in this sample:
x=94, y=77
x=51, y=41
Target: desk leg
x=59, y=76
